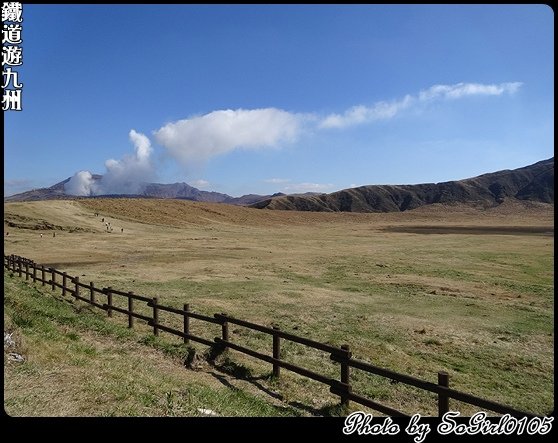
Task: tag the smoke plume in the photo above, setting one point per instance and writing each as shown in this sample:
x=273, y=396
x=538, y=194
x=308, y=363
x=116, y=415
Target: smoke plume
x=125, y=176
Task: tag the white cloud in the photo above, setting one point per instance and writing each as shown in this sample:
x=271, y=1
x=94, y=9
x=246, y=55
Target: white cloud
x=298, y=188
x=366, y=114
x=201, y=138
x=200, y=183
x=460, y=90
x=385, y=110
x=277, y=180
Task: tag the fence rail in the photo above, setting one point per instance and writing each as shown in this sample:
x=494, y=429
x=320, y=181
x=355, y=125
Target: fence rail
x=342, y=355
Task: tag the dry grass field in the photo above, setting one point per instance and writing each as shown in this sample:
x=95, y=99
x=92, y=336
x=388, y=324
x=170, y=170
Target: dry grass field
x=461, y=289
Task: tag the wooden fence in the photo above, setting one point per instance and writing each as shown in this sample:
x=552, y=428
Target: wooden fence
x=342, y=387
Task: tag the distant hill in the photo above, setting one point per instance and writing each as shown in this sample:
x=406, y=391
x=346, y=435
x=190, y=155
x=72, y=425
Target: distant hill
x=152, y=190
x=182, y=191
x=55, y=192
x=534, y=182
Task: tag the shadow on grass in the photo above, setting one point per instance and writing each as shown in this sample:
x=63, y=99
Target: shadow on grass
x=218, y=359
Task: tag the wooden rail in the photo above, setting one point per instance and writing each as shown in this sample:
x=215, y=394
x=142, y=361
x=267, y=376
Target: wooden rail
x=341, y=355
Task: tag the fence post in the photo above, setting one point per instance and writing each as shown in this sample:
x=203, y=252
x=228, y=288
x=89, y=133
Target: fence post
x=19, y=266
x=443, y=399
x=26, y=270
x=186, y=322
x=64, y=279
x=92, y=293
x=53, y=279
x=345, y=374
x=276, y=352
x=34, y=273
x=225, y=328
x=155, y=316
x=76, y=290
x=224, y=331
x=130, y=310
x=109, y=301
x=13, y=263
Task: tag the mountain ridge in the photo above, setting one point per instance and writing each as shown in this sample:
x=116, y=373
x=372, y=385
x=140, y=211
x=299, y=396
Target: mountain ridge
x=534, y=182
x=179, y=190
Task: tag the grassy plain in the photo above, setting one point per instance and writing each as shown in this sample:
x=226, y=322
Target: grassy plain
x=459, y=289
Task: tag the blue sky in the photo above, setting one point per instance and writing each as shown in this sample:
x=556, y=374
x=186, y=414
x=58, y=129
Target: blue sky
x=277, y=98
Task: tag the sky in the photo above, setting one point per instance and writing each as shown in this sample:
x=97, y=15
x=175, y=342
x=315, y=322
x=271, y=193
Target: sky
x=261, y=99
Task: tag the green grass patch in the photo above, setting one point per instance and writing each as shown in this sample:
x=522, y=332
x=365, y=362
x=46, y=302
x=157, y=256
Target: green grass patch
x=79, y=363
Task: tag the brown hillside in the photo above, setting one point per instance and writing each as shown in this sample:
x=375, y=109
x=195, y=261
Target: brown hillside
x=533, y=183
x=180, y=213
